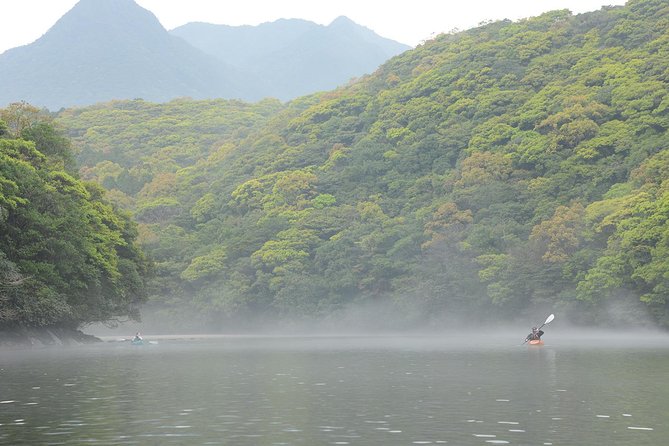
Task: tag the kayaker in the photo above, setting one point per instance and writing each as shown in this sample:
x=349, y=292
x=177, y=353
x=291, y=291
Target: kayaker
x=137, y=338
x=535, y=335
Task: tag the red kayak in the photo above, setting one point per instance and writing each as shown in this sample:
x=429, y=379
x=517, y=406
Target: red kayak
x=536, y=342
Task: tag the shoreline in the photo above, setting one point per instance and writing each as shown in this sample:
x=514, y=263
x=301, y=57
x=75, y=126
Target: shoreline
x=29, y=338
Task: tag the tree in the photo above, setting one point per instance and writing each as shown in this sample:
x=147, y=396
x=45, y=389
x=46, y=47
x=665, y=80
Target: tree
x=67, y=256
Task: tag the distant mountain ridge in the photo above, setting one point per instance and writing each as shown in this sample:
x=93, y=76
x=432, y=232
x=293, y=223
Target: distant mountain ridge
x=295, y=57
x=107, y=49
x=114, y=49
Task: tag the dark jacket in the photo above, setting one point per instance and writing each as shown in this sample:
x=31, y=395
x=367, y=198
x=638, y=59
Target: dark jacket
x=533, y=336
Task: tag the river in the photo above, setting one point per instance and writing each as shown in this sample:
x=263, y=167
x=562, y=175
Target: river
x=356, y=390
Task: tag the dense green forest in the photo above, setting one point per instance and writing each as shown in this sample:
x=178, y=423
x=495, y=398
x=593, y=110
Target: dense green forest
x=67, y=255
x=514, y=167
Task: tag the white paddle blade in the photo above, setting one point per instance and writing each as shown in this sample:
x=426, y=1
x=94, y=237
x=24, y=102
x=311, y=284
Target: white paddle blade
x=549, y=319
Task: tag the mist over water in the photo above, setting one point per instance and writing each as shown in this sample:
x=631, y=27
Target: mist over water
x=371, y=321
x=355, y=382
x=618, y=320
x=377, y=389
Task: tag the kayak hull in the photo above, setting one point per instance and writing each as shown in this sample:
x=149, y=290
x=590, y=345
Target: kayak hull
x=536, y=342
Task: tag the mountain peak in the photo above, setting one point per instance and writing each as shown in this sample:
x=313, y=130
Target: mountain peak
x=104, y=4
x=111, y=49
x=343, y=22
x=342, y=19
x=103, y=18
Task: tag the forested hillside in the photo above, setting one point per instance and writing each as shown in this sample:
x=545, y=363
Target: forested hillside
x=67, y=255
x=513, y=167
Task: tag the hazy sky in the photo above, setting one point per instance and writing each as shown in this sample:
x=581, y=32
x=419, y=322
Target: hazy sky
x=407, y=21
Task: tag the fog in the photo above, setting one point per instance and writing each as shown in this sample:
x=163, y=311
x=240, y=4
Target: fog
x=369, y=325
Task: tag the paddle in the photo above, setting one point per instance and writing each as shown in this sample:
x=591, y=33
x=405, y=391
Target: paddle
x=548, y=321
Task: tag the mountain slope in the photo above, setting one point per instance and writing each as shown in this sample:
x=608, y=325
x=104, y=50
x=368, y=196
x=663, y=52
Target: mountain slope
x=109, y=49
x=240, y=44
x=295, y=57
x=515, y=168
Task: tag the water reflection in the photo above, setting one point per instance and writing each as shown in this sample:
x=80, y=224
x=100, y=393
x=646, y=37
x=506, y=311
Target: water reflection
x=313, y=391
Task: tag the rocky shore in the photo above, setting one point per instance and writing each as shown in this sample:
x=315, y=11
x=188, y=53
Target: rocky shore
x=44, y=337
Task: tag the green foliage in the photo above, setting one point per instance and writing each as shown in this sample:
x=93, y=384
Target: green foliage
x=510, y=167
x=205, y=266
x=67, y=257
x=143, y=140
x=4, y=129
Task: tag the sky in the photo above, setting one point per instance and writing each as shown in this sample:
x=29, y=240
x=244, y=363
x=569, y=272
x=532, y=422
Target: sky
x=408, y=21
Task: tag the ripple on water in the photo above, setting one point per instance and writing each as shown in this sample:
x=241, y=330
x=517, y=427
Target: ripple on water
x=58, y=433
x=168, y=435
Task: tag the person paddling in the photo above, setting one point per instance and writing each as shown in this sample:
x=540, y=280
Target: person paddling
x=535, y=335
x=537, y=332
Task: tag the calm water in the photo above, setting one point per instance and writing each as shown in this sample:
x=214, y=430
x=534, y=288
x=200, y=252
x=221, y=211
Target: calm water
x=337, y=391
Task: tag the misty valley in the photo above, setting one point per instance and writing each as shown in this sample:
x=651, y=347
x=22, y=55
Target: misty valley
x=295, y=234
x=511, y=170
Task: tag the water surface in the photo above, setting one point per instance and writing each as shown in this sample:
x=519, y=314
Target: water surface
x=392, y=390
